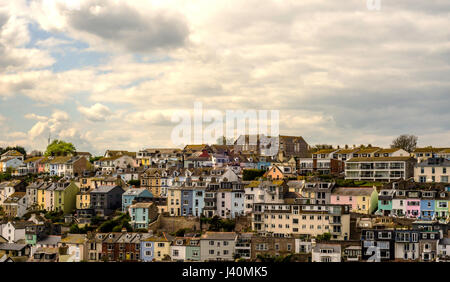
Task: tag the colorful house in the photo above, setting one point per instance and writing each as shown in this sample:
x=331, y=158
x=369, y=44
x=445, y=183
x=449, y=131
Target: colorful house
x=427, y=206
x=65, y=197
x=385, y=201
x=174, y=201
x=129, y=196
x=156, y=248
x=142, y=214
x=361, y=199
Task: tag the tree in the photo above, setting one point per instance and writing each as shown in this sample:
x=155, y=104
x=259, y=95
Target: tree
x=405, y=142
x=252, y=174
x=60, y=148
x=17, y=148
x=135, y=182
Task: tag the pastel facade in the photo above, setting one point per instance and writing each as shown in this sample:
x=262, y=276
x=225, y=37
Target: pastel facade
x=361, y=199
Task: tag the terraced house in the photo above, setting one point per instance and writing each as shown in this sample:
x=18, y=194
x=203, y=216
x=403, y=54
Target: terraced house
x=380, y=168
x=361, y=199
x=286, y=220
x=432, y=170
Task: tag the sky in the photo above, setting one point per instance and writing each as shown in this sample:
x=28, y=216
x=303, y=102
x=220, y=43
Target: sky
x=110, y=74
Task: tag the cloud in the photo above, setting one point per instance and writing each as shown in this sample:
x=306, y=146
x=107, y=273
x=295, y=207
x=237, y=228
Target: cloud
x=337, y=72
x=119, y=25
x=97, y=112
x=14, y=36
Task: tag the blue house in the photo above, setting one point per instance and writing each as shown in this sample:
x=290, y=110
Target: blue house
x=131, y=194
x=427, y=209
x=147, y=250
x=187, y=201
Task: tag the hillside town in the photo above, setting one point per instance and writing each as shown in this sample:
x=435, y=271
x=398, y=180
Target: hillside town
x=262, y=199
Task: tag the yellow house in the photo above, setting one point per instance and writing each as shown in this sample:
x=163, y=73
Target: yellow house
x=161, y=247
x=83, y=199
x=152, y=180
x=174, y=201
x=361, y=199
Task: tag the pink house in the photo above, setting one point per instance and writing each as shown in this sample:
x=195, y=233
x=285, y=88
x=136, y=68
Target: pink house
x=412, y=207
x=340, y=197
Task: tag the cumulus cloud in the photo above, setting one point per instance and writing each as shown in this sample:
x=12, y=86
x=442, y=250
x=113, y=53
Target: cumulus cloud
x=337, y=72
x=120, y=25
x=14, y=36
x=97, y=112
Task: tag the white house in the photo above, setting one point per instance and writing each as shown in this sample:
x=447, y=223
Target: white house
x=14, y=231
x=178, y=250
x=326, y=253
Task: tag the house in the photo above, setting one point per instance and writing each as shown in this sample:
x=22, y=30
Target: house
x=15, y=205
x=45, y=255
x=106, y=199
x=142, y=214
x=192, y=249
x=58, y=166
x=318, y=192
x=174, y=201
x=15, y=251
x=156, y=248
x=326, y=253
x=432, y=170
x=14, y=231
x=8, y=188
x=422, y=154
x=192, y=200
x=310, y=220
x=361, y=199
x=274, y=173
x=292, y=146
x=243, y=246
x=323, y=162
x=380, y=168
x=271, y=246
x=217, y=246
x=72, y=248
x=30, y=166
x=351, y=252
x=407, y=245
x=109, y=164
x=12, y=154
x=64, y=196
x=378, y=245
x=198, y=160
x=120, y=246
x=131, y=194
x=10, y=163
x=444, y=249
x=168, y=156
x=178, y=249
x=263, y=192
x=156, y=181
x=230, y=200
x=32, y=193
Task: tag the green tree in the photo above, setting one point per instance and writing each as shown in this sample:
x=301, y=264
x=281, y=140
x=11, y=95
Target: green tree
x=252, y=174
x=17, y=148
x=136, y=183
x=60, y=148
x=94, y=159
